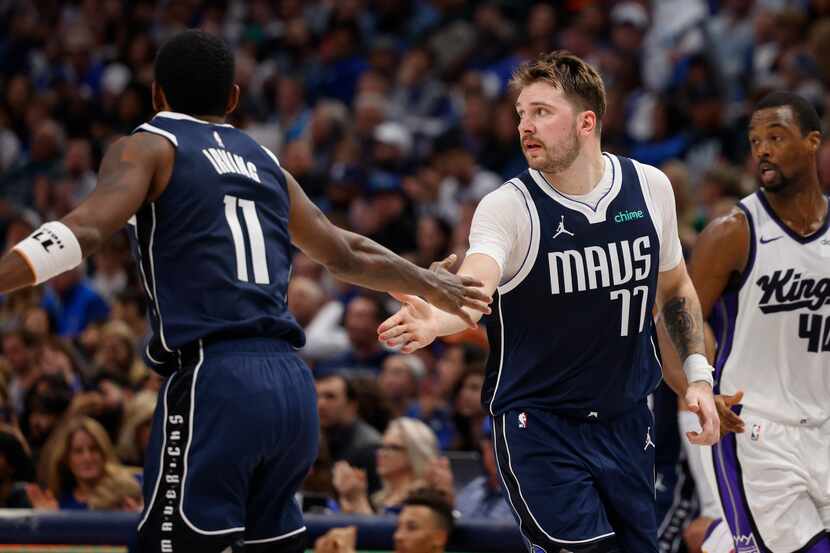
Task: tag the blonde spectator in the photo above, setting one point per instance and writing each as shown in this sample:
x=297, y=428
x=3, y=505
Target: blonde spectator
x=404, y=459
x=135, y=431
x=82, y=471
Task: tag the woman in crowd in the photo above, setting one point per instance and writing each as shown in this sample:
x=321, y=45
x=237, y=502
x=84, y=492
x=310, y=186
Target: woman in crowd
x=404, y=457
x=82, y=472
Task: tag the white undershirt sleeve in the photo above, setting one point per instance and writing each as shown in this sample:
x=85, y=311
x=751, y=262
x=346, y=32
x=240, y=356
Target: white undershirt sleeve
x=671, y=252
x=501, y=229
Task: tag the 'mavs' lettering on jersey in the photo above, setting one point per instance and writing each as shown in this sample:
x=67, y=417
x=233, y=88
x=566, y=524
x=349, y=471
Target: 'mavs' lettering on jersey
x=213, y=250
x=613, y=264
x=572, y=331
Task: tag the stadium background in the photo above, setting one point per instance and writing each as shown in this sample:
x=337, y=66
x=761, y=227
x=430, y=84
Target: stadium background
x=395, y=117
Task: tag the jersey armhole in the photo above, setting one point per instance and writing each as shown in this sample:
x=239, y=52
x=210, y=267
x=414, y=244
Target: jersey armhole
x=533, y=246
x=743, y=276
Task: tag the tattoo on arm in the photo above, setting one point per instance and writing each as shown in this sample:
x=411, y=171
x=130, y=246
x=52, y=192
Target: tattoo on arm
x=685, y=326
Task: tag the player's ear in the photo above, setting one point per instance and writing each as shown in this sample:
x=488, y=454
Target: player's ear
x=814, y=141
x=233, y=99
x=588, y=122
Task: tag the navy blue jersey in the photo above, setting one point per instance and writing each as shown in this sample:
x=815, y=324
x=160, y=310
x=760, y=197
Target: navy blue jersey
x=572, y=331
x=213, y=250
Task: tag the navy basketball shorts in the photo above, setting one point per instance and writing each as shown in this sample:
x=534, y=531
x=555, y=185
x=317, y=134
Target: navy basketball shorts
x=234, y=434
x=579, y=486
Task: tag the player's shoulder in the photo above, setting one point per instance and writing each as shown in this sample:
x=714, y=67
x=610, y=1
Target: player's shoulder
x=734, y=225
x=507, y=195
x=727, y=237
x=656, y=179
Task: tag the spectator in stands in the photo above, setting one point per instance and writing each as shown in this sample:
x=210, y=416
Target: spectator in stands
x=15, y=468
x=433, y=240
x=482, y=497
x=44, y=406
x=74, y=304
x=469, y=415
x=83, y=472
x=349, y=438
x=424, y=526
x=135, y=430
x=129, y=307
x=364, y=313
x=398, y=381
x=18, y=349
x=115, y=355
x=320, y=318
x=55, y=356
x=409, y=448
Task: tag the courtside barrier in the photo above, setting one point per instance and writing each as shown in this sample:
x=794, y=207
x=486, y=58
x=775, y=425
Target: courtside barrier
x=20, y=526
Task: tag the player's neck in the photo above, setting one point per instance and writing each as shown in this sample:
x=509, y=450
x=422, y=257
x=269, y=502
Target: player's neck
x=583, y=175
x=803, y=209
x=219, y=120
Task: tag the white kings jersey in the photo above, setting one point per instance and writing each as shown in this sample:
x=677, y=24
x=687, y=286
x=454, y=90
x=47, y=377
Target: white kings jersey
x=773, y=326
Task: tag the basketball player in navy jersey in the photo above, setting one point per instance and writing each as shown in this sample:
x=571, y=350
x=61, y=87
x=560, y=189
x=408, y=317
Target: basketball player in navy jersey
x=213, y=217
x=762, y=273
x=577, y=251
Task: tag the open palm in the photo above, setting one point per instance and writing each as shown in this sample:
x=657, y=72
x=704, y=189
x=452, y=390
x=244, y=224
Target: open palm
x=412, y=327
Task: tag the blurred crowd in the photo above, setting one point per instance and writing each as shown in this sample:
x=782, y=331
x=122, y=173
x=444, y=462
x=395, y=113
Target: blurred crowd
x=395, y=117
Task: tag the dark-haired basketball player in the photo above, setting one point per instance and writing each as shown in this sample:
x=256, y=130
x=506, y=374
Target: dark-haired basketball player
x=213, y=217
x=763, y=273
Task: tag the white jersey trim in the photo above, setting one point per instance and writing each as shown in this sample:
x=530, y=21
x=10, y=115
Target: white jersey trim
x=535, y=236
x=187, y=452
x=656, y=218
x=149, y=507
x=593, y=215
x=271, y=155
x=161, y=132
x=185, y=117
x=278, y=538
x=153, y=276
x=501, y=357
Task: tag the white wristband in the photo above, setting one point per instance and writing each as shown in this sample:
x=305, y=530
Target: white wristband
x=50, y=250
x=697, y=368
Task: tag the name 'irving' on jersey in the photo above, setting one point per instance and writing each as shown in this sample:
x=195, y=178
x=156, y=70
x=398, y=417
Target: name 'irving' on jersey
x=227, y=162
x=602, y=266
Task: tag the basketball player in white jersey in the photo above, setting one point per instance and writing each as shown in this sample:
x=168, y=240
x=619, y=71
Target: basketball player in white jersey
x=763, y=274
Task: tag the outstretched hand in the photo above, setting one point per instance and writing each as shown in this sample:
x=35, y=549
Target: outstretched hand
x=701, y=402
x=412, y=327
x=452, y=293
x=729, y=421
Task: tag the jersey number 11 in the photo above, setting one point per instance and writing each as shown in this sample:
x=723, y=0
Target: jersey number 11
x=257, y=241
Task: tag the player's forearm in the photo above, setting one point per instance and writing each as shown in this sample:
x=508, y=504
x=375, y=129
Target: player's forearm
x=670, y=363
x=15, y=272
x=684, y=321
x=368, y=264
x=447, y=324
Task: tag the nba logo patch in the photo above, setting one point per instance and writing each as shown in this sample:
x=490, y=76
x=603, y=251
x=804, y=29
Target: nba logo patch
x=522, y=420
x=756, y=432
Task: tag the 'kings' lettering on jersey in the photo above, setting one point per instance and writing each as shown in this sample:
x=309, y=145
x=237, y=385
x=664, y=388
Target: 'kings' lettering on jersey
x=595, y=267
x=787, y=291
x=226, y=162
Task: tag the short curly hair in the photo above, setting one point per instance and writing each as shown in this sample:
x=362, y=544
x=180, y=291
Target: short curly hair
x=578, y=80
x=195, y=70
